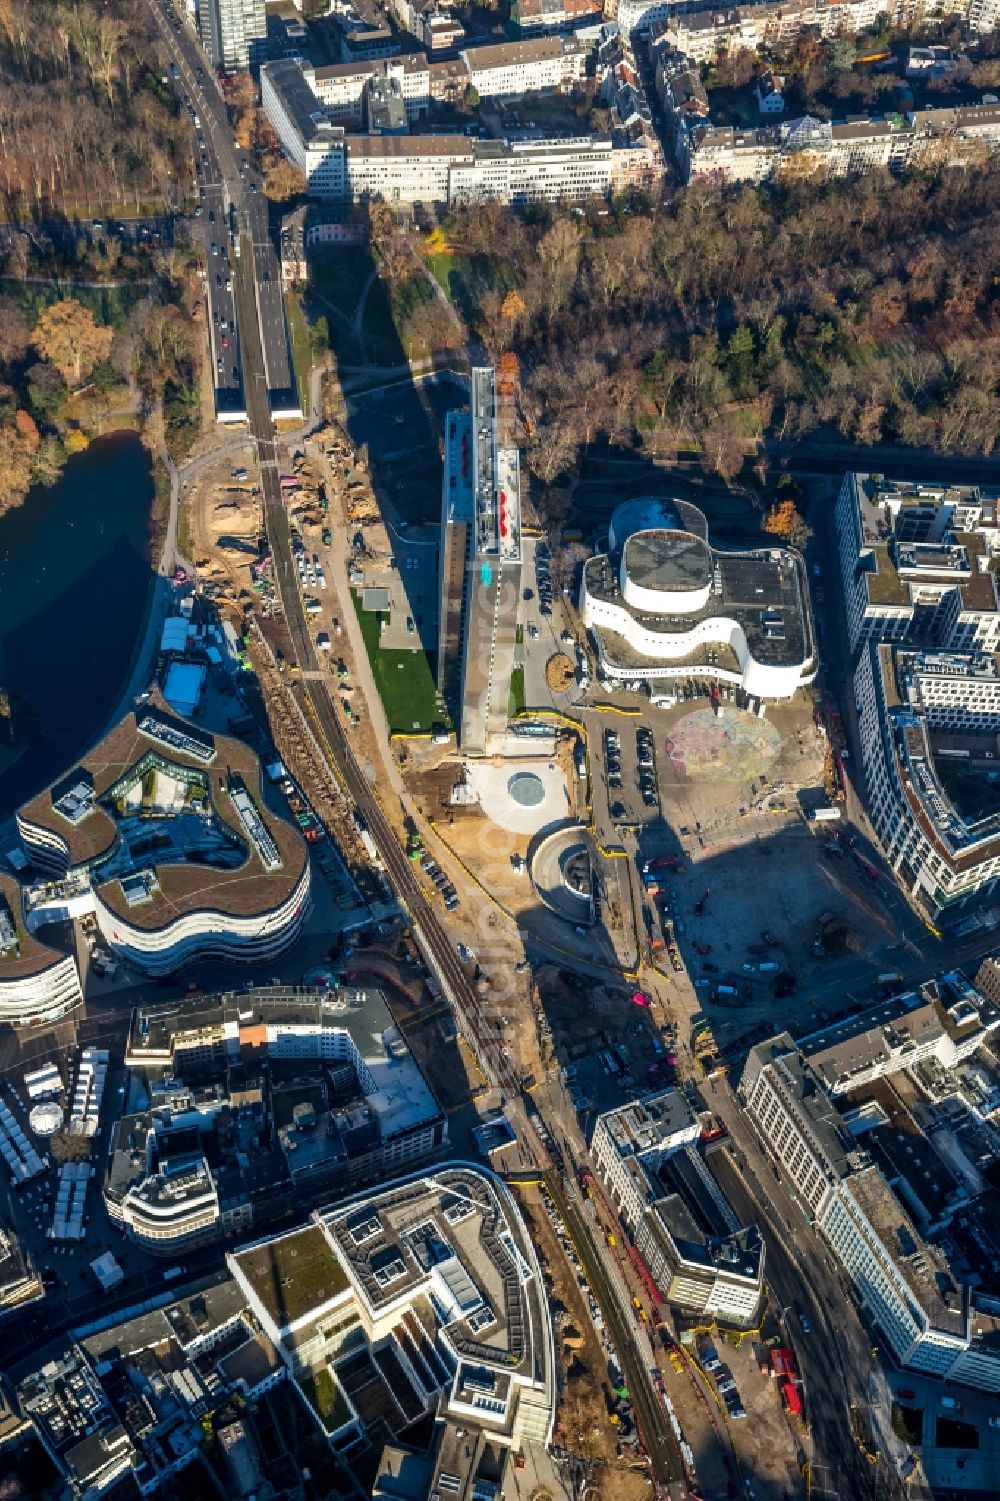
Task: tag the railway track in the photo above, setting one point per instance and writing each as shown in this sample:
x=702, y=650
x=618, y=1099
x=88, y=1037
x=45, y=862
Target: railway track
x=657, y=1435
x=320, y=708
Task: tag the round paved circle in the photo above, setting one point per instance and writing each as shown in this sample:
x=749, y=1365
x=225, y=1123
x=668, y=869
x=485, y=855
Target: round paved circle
x=733, y=747
x=526, y=789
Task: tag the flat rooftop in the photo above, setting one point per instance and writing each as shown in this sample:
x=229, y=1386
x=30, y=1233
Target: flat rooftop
x=922, y=1266
x=300, y=103
x=646, y=1124
x=294, y=1275
x=29, y=956
x=451, y=1238
x=149, y=739
x=764, y=591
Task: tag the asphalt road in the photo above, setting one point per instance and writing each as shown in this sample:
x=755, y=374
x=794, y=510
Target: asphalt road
x=834, y=1353
x=227, y=176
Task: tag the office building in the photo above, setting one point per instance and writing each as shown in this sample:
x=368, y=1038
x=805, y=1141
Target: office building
x=699, y=1256
x=933, y=1323
x=663, y=604
x=923, y=718
x=423, y=1299
x=39, y=982
x=164, y=834
x=233, y=32
x=259, y=1102
x=946, y=1022
x=915, y=563
x=480, y=570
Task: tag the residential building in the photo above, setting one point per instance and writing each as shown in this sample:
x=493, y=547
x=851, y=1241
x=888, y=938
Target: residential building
x=479, y=570
x=38, y=981
x=932, y=1323
x=663, y=604
x=697, y=1253
x=536, y=65
x=757, y=26
x=233, y=32
x=446, y=168
x=533, y=17
x=163, y=833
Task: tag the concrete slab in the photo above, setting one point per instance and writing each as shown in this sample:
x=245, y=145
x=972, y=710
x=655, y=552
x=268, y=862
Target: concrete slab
x=491, y=785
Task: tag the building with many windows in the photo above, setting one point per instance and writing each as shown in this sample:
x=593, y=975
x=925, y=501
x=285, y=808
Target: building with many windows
x=439, y=168
x=921, y=603
x=424, y=1299
x=258, y=1102
x=915, y=563
x=700, y=1257
x=39, y=982
x=479, y=569
x=924, y=716
x=164, y=834
x=662, y=604
x=233, y=32
x=933, y=1323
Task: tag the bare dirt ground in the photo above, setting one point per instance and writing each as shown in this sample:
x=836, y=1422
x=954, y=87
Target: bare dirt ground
x=225, y=519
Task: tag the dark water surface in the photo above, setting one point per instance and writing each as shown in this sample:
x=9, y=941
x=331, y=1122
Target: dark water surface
x=75, y=584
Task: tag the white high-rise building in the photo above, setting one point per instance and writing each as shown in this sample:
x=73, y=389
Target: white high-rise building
x=233, y=32
x=933, y=1323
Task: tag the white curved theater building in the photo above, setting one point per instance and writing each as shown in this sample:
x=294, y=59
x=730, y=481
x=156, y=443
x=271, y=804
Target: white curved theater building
x=164, y=835
x=663, y=604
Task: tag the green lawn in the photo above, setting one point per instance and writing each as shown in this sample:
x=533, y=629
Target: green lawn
x=339, y=276
x=465, y=278
x=294, y=1274
x=323, y=1393
x=298, y=332
x=516, y=701
x=403, y=679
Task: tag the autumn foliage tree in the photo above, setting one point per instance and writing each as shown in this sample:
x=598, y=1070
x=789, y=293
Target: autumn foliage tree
x=68, y=335
x=784, y=520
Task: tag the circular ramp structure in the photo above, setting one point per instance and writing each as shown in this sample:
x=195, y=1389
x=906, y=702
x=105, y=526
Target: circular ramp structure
x=562, y=873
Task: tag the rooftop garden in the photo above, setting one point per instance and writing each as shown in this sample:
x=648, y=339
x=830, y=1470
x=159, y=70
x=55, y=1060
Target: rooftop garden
x=294, y=1275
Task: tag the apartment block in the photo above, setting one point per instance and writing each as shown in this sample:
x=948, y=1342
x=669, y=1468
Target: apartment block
x=534, y=17
x=233, y=32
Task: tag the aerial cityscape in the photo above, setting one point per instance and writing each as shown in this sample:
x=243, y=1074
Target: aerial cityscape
x=499, y=750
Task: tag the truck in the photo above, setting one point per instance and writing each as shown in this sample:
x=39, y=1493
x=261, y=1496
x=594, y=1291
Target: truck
x=823, y=815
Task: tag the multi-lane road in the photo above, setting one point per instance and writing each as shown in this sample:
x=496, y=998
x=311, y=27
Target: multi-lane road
x=235, y=212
